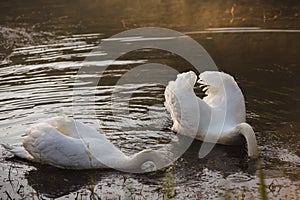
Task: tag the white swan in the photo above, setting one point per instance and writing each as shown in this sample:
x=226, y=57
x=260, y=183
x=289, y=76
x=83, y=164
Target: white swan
x=65, y=143
x=217, y=118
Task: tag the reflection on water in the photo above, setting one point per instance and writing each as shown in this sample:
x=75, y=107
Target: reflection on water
x=43, y=44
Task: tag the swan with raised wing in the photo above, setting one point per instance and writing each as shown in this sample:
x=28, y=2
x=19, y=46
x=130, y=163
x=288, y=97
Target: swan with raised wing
x=219, y=117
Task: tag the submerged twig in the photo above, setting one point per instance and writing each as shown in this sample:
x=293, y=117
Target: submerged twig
x=262, y=187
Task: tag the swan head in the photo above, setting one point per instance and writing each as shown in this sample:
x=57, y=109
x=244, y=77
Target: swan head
x=214, y=81
x=148, y=161
x=148, y=166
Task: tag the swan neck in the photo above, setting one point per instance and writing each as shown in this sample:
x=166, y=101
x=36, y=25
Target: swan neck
x=248, y=133
x=136, y=161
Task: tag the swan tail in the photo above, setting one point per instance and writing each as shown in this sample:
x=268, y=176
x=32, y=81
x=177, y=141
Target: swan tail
x=175, y=93
x=247, y=131
x=18, y=151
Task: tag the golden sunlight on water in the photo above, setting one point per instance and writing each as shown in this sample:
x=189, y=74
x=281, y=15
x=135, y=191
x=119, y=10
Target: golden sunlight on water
x=43, y=44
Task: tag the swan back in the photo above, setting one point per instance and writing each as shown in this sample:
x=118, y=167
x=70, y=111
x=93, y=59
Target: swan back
x=73, y=128
x=66, y=143
x=47, y=145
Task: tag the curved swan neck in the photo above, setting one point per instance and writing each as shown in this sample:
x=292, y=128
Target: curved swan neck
x=247, y=131
x=136, y=161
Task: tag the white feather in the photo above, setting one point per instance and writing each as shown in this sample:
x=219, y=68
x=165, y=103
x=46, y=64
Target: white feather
x=217, y=118
x=65, y=143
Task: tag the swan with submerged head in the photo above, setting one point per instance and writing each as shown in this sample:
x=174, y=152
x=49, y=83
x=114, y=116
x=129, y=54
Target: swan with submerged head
x=219, y=117
x=66, y=143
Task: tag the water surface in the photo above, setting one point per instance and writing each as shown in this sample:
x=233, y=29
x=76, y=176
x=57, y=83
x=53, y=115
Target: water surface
x=42, y=48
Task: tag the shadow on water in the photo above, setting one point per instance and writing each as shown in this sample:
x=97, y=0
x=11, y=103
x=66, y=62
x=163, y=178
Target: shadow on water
x=52, y=182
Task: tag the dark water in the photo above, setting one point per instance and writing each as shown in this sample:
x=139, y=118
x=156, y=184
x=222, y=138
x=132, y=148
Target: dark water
x=43, y=44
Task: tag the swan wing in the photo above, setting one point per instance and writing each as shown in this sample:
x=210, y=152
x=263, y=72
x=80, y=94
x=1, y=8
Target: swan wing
x=87, y=149
x=100, y=149
x=172, y=102
x=177, y=92
x=182, y=103
x=46, y=145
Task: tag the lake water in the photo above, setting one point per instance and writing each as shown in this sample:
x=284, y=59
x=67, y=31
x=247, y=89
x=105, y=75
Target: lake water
x=43, y=45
